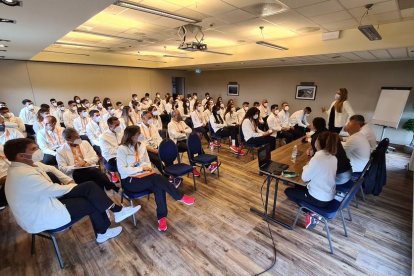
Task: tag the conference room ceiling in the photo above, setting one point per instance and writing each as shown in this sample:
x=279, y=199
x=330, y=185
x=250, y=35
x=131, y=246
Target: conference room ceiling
x=127, y=37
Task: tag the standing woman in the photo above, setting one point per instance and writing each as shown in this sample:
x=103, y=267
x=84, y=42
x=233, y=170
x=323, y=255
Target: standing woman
x=339, y=112
x=137, y=174
x=252, y=134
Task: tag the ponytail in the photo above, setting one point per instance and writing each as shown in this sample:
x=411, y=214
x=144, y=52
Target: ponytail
x=328, y=141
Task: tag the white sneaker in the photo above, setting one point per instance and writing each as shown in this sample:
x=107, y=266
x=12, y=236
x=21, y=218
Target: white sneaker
x=125, y=212
x=109, y=234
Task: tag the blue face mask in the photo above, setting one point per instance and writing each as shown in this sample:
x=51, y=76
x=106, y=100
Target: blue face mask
x=2, y=127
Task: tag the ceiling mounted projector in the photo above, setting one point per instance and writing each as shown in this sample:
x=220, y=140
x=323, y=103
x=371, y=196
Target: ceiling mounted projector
x=368, y=30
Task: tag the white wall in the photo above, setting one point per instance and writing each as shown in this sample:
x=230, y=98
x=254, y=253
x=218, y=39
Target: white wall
x=363, y=81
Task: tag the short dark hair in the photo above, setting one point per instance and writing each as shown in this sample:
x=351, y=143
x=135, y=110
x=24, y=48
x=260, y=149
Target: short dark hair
x=273, y=106
x=319, y=123
x=118, y=103
x=80, y=109
x=194, y=94
x=52, y=100
x=134, y=95
x=358, y=118
x=207, y=94
x=59, y=103
x=45, y=106
x=68, y=133
x=245, y=103
x=53, y=119
x=146, y=94
x=16, y=146
x=71, y=102
x=308, y=109
x=4, y=108
x=112, y=120
x=25, y=101
x=256, y=103
x=145, y=112
x=92, y=112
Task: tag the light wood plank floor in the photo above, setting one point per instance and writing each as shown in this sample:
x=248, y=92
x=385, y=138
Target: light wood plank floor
x=219, y=236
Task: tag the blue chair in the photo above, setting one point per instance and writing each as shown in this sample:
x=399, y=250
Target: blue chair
x=250, y=147
x=331, y=211
x=51, y=235
x=197, y=156
x=131, y=196
x=168, y=153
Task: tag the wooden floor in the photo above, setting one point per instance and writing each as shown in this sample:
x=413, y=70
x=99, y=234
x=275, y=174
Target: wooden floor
x=219, y=236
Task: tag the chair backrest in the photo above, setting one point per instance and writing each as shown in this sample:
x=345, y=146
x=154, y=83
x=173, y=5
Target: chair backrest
x=194, y=145
x=167, y=152
x=366, y=168
x=351, y=194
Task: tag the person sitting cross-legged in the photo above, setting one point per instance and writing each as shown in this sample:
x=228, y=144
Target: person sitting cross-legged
x=134, y=166
x=78, y=159
x=38, y=204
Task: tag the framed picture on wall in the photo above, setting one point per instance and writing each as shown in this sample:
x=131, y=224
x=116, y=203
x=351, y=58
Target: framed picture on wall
x=305, y=92
x=233, y=89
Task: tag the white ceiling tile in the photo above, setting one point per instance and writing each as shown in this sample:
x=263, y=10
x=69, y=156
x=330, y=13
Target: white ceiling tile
x=235, y=16
x=382, y=7
x=351, y=56
x=291, y=20
x=242, y=3
x=365, y=55
x=386, y=17
x=380, y=54
x=398, y=52
x=191, y=13
x=320, y=8
x=332, y=17
x=300, y=3
x=341, y=25
x=211, y=7
x=349, y=4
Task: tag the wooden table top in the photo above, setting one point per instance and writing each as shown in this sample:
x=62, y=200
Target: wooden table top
x=284, y=155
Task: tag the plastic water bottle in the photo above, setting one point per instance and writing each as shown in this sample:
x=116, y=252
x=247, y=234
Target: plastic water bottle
x=294, y=153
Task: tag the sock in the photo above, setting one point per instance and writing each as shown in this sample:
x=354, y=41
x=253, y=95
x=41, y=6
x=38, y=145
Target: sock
x=116, y=208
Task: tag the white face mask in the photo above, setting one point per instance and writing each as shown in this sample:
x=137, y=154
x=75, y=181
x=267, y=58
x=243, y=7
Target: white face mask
x=195, y=97
x=255, y=116
x=99, y=105
x=77, y=141
x=30, y=107
x=141, y=138
x=77, y=101
x=135, y=98
x=74, y=108
x=158, y=96
x=337, y=96
x=286, y=108
x=155, y=113
x=121, y=107
x=54, y=104
x=50, y=128
x=84, y=114
x=108, y=102
x=62, y=108
x=187, y=104
x=150, y=122
x=221, y=105
x=118, y=129
x=111, y=111
x=97, y=119
x=37, y=156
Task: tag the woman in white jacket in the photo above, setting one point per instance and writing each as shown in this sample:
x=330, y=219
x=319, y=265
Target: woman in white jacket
x=339, y=112
x=320, y=175
x=78, y=159
x=137, y=175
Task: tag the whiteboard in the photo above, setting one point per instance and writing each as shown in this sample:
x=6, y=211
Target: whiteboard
x=390, y=106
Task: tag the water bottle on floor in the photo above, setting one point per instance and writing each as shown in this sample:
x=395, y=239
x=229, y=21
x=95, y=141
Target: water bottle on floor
x=294, y=153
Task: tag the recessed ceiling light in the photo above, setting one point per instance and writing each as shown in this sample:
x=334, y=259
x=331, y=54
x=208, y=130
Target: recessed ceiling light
x=12, y=3
x=4, y=20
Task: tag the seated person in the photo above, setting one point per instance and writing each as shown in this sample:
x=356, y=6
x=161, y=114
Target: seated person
x=178, y=130
x=157, y=122
x=81, y=122
x=70, y=114
x=344, y=169
x=288, y=131
x=41, y=114
x=118, y=109
x=219, y=127
x=76, y=154
x=127, y=117
x=111, y=112
x=109, y=142
x=49, y=140
x=12, y=120
x=230, y=116
x=367, y=131
x=264, y=110
x=357, y=147
x=60, y=110
x=94, y=129
x=242, y=112
x=7, y=133
x=320, y=176
x=132, y=159
x=252, y=134
x=152, y=138
x=299, y=120
x=200, y=124
x=273, y=121
x=38, y=204
x=28, y=116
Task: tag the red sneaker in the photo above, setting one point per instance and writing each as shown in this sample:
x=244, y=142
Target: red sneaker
x=308, y=220
x=241, y=152
x=213, y=167
x=196, y=172
x=234, y=149
x=187, y=200
x=114, y=177
x=162, y=224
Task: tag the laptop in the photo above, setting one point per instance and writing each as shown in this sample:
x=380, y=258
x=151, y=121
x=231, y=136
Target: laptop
x=266, y=165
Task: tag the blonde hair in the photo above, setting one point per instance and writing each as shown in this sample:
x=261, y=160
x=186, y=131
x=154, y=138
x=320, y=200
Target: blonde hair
x=343, y=92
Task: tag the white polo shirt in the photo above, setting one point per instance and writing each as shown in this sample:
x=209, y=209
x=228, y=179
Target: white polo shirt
x=358, y=150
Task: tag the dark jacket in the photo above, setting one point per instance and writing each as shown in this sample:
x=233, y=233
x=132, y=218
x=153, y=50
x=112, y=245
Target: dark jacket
x=376, y=176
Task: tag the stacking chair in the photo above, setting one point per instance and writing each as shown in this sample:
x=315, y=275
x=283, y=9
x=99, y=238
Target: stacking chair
x=250, y=147
x=168, y=153
x=131, y=196
x=51, y=235
x=197, y=156
x=331, y=211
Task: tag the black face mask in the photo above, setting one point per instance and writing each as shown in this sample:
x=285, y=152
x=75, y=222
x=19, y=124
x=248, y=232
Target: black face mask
x=2, y=127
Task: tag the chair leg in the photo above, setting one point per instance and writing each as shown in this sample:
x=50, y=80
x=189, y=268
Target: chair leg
x=356, y=202
x=297, y=217
x=343, y=223
x=33, y=251
x=56, y=247
x=218, y=171
x=134, y=221
x=328, y=234
x=205, y=174
x=194, y=181
x=349, y=213
x=362, y=194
